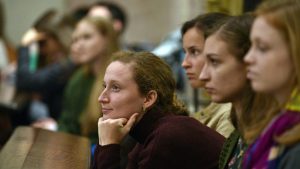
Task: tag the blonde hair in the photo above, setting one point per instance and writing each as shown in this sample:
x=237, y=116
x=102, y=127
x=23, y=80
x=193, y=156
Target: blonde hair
x=92, y=111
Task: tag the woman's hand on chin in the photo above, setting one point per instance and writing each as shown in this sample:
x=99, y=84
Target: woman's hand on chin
x=112, y=131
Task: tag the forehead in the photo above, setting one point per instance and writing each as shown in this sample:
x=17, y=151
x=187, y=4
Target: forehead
x=193, y=35
x=214, y=44
x=118, y=71
x=84, y=27
x=260, y=24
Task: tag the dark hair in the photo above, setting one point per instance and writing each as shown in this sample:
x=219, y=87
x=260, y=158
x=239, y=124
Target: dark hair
x=206, y=23
x=115, y=10
x=152, y=73
x=235, y=32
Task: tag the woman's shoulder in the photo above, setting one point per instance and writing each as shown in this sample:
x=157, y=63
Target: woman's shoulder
x=183, y=127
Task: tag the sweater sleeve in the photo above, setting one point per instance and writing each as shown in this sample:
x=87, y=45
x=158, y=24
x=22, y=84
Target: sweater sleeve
x=107, y=157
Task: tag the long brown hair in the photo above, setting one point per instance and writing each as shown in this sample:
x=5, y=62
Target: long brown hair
x=235, y=32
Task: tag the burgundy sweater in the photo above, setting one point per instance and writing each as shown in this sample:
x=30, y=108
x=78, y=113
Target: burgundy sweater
x=165, y=142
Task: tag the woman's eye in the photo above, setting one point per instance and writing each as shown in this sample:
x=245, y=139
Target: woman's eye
x=115, y=88
x=86, y=36
x=262, y=48
x=213, y=61
x=195, y=52
x=74, y=40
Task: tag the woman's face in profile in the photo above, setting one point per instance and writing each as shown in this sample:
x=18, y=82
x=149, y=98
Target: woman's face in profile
x=120, y=97
x=193, y=44
x=224, y=76
x=87, y=42
x=270, y=67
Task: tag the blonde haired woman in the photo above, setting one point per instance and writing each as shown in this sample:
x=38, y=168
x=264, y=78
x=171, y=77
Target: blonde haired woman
x=93, y=42
x=274, y=68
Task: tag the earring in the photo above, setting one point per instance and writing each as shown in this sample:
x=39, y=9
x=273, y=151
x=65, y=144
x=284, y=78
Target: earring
x=143, y=109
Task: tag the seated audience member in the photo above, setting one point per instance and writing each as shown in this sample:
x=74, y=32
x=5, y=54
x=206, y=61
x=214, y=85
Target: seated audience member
x=274, y=62
x=194, y=32
x=43, y=70
x=139, y=99
x=224, y=75
x=93, y=41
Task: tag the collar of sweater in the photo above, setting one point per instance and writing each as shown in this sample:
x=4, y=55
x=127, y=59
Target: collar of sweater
x=147, y=124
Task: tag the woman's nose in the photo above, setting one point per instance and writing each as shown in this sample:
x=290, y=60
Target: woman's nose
x=102, y=97
x=204, y=75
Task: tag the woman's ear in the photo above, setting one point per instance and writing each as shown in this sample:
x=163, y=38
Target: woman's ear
x=151, y=98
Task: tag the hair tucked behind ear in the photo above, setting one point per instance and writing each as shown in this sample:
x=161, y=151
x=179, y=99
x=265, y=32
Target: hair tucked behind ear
x=152, y=73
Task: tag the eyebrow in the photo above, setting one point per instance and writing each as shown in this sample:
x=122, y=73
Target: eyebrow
x=196, y=47
x=112, y=81
x=210, y=55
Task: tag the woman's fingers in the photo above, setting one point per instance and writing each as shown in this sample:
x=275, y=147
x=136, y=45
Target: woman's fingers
x=131, y=122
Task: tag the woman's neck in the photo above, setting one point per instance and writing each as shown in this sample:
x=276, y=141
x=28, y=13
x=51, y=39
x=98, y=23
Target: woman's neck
x=283, y=96
x=237, y=106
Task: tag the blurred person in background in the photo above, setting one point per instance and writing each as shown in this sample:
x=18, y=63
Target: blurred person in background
x=44, y=68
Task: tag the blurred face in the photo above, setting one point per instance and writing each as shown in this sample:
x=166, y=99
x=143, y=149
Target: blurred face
x=87, y=43
x=193, y=44
x=50, y=48
x=224, y=76
x=120, y=97
x=270, y=66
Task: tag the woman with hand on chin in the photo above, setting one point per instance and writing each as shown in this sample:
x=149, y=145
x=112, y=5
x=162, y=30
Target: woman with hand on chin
x=274, y=69
x=139, y=99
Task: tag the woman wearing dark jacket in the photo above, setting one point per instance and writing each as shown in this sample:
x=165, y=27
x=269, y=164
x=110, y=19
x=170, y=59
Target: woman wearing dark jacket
x=139, y=99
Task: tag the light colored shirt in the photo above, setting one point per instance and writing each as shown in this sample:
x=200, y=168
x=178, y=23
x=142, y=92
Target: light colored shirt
x=217, y=117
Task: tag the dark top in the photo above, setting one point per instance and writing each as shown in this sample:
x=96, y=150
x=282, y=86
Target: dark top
x=228, y=149
x=291, y=158
x=48, y=81
x=166, y=142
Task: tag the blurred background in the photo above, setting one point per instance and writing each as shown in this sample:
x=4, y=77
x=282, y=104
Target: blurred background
x=159, y=16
